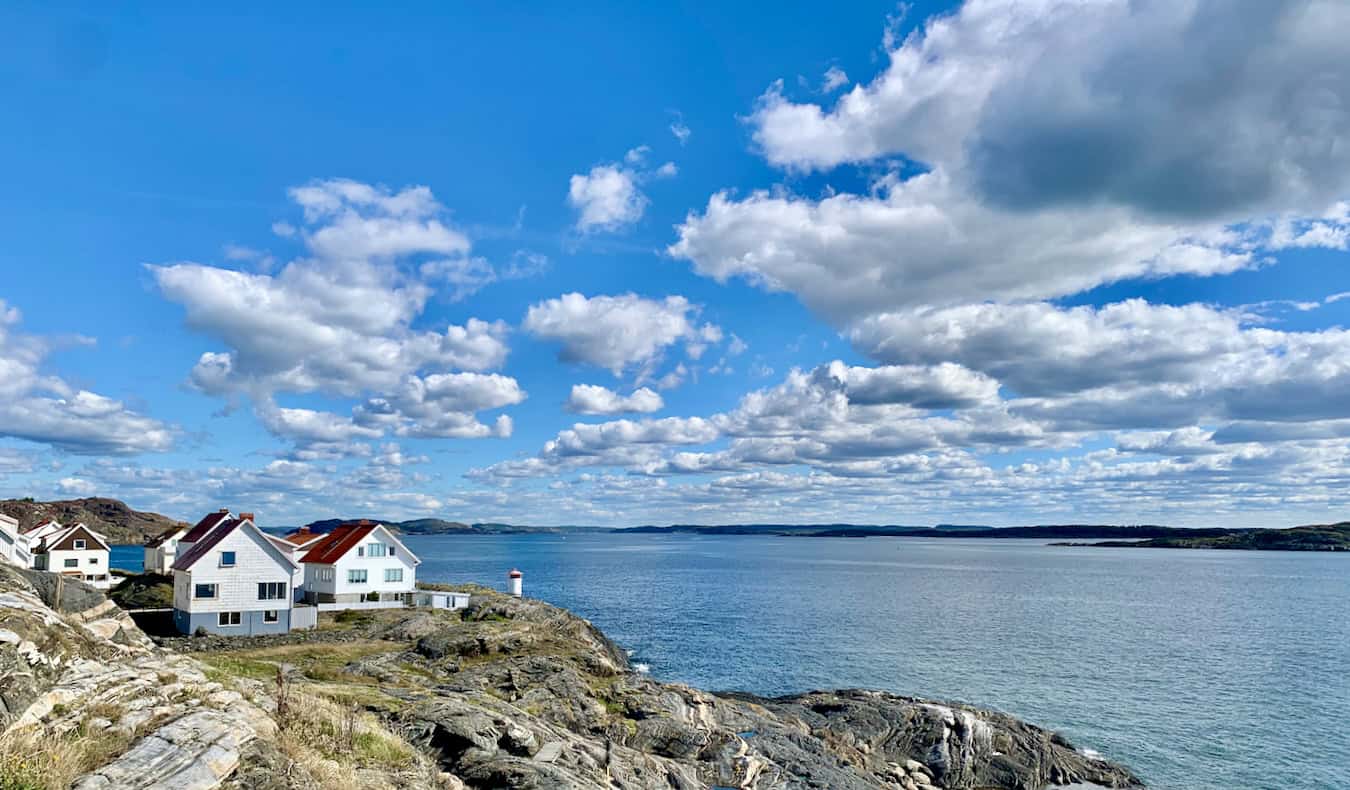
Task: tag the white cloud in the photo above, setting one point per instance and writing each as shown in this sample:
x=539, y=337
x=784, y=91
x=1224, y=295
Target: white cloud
x=921, y=241
x=615, y=332
x=340, y=322
x=680, y=130
x=594, y=399
x=607, y=198
x=43, y=408
x=668, y=170
x=834, y=79
x=1062, y=146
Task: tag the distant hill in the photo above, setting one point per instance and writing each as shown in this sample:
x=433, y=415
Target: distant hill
x=1324, y=537
x=770, y=529
x=436, y=526
x=118, y=522
x=948, y=531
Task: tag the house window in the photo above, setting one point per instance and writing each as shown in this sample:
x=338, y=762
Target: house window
x=271, y=591
x=360, y=551
x=227, y=618
x=93, y=560
x=270, y=616
x=375, y=550
x=227, y=559
x=79, y=545
x=393, y=574
x=325, y=574
x=72, y=563
x=356, y=576
x=204, y=591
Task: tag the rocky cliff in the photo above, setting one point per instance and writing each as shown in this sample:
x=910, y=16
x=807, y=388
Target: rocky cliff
x=508, y=694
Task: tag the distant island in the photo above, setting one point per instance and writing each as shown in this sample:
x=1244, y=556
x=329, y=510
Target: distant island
x=124, y=525
x=1325, y=537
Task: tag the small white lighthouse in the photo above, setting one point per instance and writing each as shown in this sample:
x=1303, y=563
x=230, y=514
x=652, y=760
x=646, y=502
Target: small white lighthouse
x=514, y=582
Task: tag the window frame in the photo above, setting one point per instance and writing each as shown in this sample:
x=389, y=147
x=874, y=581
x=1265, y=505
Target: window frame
x=390, y=572
x=71, y=562
x=266, y=590
x=234, y=559
x=351, y=576
x=80, y=544
x=377, y=549
x=271, y=615
x=197, y=589
x=223, y=619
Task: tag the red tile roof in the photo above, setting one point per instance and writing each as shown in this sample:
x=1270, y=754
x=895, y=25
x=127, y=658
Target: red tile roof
x=205, y=543
x=302, y=536
x=208, y=522
x=338, y=542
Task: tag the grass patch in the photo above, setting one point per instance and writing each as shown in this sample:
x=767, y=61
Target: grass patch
x=323, y=661
x=31, y=760
x=329, y=739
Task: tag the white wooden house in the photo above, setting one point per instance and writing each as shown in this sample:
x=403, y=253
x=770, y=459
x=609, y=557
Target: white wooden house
x=76, y=551
x=233, y=580
x=360, y=565
x=296, y=545
x=9, y=539
x=207, y=523
x=162, y=550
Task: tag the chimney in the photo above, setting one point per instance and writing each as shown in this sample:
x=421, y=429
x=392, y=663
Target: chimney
x=223, y=510
x=245, y=516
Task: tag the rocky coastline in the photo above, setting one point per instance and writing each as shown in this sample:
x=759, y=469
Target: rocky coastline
x=509, y=693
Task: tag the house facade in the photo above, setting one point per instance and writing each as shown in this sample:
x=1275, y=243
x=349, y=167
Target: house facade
x=9, y=539
x=162, y=550
x=359, y=565
x=77, y=552
x=296, y=545
x=233, y=580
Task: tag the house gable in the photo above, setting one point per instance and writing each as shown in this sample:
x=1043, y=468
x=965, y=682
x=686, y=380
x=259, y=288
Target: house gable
x=66, y=541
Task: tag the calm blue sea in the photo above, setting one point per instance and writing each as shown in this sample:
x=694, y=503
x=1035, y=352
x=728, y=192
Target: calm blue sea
x=1199, y=669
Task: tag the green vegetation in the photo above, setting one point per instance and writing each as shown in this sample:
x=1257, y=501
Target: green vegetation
x=144, y=591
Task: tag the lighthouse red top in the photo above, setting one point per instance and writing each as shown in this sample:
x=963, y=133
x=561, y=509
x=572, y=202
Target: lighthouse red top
x=515, y=574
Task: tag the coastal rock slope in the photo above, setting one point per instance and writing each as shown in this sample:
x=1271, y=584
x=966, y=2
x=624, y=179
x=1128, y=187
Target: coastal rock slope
x=507, y=694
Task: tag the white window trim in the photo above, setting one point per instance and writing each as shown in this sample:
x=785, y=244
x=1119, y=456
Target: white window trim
x=225, y=564
x=351, y=574
x=275, y=615
x=215, y=592
x=228, y=616
x=79, y=545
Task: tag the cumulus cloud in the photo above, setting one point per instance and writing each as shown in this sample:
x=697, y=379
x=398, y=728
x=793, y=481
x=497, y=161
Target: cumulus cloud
x=1061, y=102
x=606, y=198
x=610, y=197
x=341, y=322
x=617, y=332
x=594, y=399
x=1060, y=146
x=43, y=408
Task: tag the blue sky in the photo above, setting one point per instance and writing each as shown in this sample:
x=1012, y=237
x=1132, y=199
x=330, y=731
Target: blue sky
x=1004, y=262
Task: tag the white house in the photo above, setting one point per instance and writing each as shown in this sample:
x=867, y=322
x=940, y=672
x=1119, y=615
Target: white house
x=9, y=539
x=209, y=522
x=31, y=538
x=296, y=545
x=233, y=580
x=76, y=551
x=162, y=550
x=360, y=565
